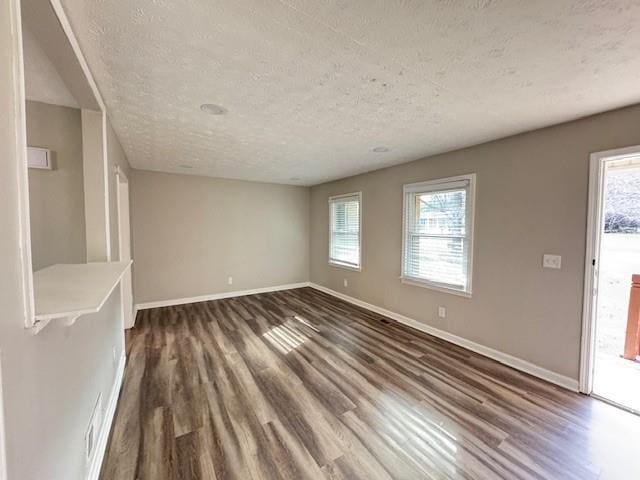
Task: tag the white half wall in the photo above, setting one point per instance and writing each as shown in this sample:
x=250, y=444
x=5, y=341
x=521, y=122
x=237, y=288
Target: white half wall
x=50, y=381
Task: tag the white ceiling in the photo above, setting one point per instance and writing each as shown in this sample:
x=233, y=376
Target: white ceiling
x=312, y=86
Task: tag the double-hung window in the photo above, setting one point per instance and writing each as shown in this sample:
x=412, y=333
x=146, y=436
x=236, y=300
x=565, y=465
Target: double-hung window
x=438, y=234
x=344, y=230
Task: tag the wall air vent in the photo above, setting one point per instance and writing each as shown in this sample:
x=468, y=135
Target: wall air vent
x=93, y=429
x=39, y=158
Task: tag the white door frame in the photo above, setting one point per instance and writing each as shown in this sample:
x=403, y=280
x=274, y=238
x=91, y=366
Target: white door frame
x=120, y=178
x=126, y=282
x=595, y=223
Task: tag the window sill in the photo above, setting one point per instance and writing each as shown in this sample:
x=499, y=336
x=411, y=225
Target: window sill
x=437, y=288
x=346, y=267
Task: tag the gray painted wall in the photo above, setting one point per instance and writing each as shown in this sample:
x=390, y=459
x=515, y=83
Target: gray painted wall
x=56, y=197
x=191, y=233
x=531, y=199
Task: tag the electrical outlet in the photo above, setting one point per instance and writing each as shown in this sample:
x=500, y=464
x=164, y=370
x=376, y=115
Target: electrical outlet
x=115, y=355
x=345, y=282
x=230, y=280
x=442, y=312
x=551, y=261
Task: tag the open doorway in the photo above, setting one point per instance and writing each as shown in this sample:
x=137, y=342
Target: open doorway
x=612, y=309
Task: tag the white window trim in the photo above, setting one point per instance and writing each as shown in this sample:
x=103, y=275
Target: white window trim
x=334, y=263
x=432, y=185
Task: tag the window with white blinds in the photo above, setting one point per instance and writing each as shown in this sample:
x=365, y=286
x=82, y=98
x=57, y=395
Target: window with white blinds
x=438, y=233
x=344, y=231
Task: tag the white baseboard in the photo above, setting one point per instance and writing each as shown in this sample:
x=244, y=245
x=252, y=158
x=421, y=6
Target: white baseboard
x=217, y=296
x=107, y=422
x=506, y=359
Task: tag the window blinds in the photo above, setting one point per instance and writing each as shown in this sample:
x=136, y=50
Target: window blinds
x=437, y=234
x=344, y=248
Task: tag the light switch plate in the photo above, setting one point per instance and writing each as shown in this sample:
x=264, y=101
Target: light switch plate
x=551, y=261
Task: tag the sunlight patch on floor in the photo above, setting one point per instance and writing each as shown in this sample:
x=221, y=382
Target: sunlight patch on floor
x=285, y=338
x=618, y=380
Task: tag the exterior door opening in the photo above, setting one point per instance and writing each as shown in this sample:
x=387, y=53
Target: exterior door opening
x=615, y=272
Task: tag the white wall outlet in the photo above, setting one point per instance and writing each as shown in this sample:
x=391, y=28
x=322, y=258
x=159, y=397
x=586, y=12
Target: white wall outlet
x=115, y=355
x=230, y=280
x=551, y=261
x=345, y=282
x=442, y=312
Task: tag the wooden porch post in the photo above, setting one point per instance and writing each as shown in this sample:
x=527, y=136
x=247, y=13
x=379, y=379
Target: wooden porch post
x=632, y=341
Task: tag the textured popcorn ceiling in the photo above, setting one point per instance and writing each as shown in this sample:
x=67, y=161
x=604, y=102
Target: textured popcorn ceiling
x=312, y=86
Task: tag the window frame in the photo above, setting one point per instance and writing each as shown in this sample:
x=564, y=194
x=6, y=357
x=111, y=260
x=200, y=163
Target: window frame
x=440, y=184
x=332, y=262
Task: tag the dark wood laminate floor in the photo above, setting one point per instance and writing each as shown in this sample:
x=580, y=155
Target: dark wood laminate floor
x=299, y=385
